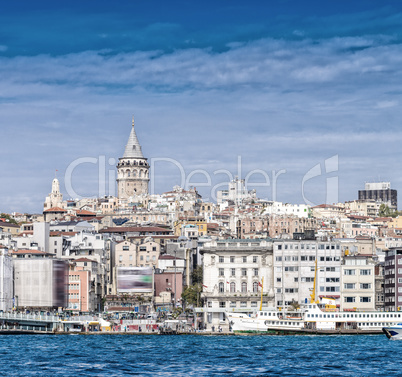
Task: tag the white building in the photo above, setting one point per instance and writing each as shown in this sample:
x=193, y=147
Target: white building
x=294, y=270
x=278, y=208
x=237, y=192
x=6, y=280
x=233, y=272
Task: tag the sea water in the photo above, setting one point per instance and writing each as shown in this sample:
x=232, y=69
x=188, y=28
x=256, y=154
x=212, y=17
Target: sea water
x=193, y=355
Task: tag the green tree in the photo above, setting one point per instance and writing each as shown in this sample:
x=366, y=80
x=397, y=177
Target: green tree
x=385, y=211
x=191, y=295
x=8, y=217
x=197, y=275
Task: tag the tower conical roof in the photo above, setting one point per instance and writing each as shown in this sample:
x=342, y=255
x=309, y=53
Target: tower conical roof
x=133, y=147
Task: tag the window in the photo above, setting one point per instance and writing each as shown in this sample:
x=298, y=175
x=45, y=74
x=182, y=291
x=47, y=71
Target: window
x=349, y=272
x=365, y=299
x=278, y=259
x=232, y=259
x=365, y=286
x=221, y=259
x=244, y=259
x=222, y=304
x=244, y=287
x=332, y=289
x=221, y=287
x=126, y=248
x=232, y=272
x=278, y=280
x=232, y=304
x=332, y=280
x=365, y=272
x=255, y=287
x=255, y=271
x=243, y=272
x=232, y=287
x=255, y=259
x=221, y=272
x=349, y=285
x=350, y=299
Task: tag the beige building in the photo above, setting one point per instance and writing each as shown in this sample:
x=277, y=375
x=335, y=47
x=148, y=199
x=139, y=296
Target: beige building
x=126, y=254
x=357, y=283
x=148, y=253
x=328, y=211
x=362, y=208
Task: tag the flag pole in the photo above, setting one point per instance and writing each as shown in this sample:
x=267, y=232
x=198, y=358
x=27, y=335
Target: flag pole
x=262, y=291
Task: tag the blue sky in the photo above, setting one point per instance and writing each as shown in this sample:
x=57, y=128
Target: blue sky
x=284, y=84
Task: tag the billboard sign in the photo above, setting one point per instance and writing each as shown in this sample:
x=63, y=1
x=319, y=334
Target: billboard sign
x=134, y=279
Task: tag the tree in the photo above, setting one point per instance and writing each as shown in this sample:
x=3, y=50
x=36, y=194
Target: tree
x=191, y=295
x=197, y=275
x=385, y=211
x=8, y=217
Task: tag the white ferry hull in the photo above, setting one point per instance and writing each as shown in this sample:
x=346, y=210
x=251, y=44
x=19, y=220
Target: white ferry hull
x=314, y=320
x=393, y=332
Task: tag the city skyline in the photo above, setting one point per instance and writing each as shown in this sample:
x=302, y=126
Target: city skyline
x=285, y=86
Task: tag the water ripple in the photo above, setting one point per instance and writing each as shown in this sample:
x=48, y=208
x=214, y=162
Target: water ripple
x=114, y=355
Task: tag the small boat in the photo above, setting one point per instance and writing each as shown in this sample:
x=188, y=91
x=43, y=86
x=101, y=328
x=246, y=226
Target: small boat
x=394, y=331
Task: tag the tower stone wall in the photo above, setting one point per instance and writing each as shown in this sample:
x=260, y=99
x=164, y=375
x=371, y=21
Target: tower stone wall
x=132, y=171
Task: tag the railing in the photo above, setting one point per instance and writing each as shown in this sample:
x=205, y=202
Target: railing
x=44, y=318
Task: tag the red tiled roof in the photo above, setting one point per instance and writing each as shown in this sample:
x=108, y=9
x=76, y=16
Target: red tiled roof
x=84, y=212
x=21, y=251
x=84, y=260
x=326, y=206
x=55, y=209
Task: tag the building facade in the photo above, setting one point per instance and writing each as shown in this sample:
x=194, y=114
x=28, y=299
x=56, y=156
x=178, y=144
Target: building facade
x=393, y=279
x=380, y=191
x=234, y=271
x=358, y=283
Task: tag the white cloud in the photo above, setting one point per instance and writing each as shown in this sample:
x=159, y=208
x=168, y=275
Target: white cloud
x=278, y=104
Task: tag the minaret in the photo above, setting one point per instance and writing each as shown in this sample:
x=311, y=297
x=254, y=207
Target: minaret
x=132, y=170
x=55, y=198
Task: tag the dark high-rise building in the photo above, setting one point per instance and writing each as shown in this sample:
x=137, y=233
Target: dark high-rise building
x=380, y=191
x=393, y=279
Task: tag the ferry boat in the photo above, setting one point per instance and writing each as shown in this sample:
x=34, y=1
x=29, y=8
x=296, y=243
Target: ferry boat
x=393, y=332
x=314, y=317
